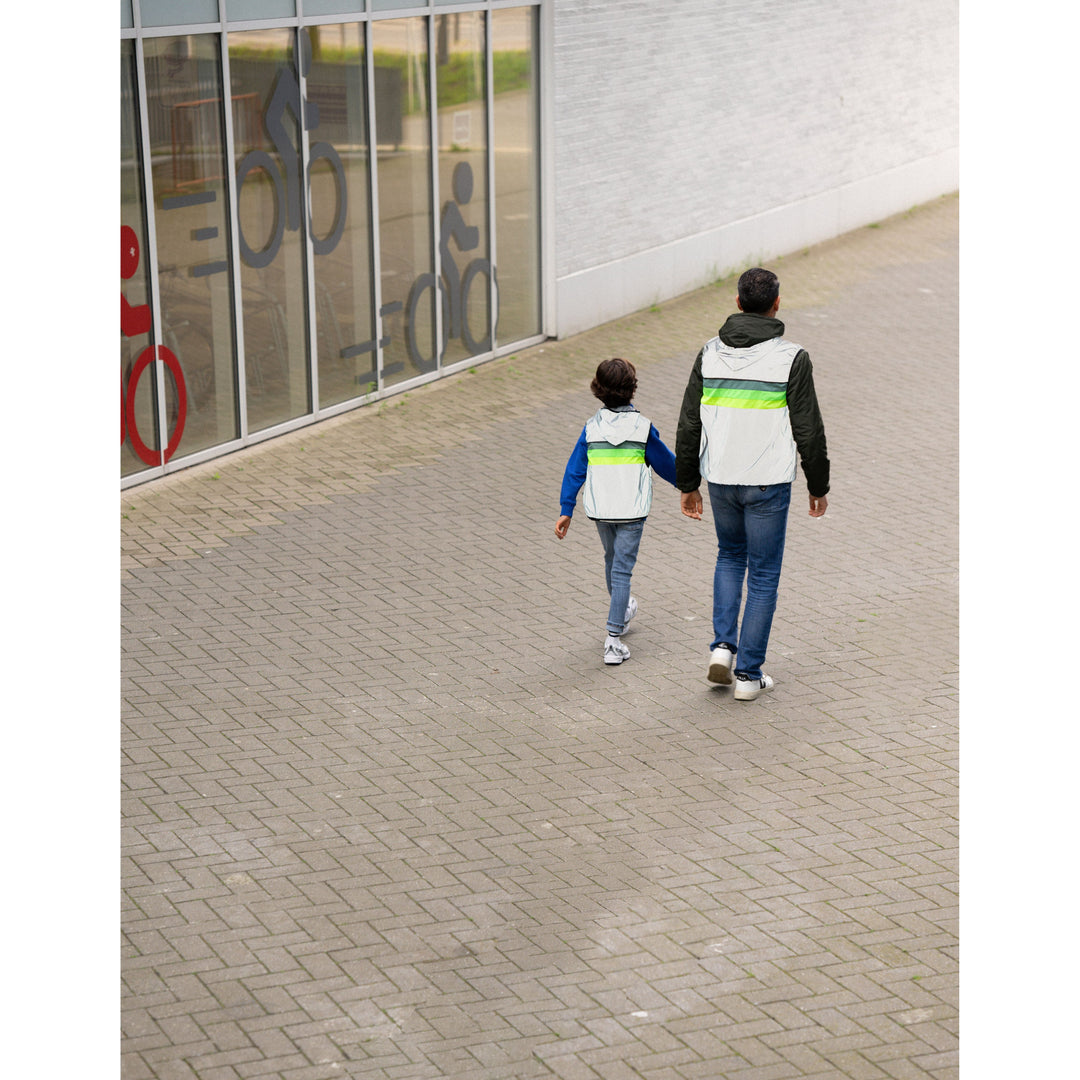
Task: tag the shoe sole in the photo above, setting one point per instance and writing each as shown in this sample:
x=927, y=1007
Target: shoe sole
x=720, y=674
x=615, y=660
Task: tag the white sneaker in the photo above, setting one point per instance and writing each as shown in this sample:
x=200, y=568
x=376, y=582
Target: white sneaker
x=748, y=689
x=631, y=611
x=720, y=660
x=615, y=652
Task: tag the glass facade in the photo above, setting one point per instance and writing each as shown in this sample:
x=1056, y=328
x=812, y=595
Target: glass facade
x=403, y=144
x=515, y=49
x=464, y=249
x=270, y=193
x=360, y=212
x=341, y=214
x=191, y=225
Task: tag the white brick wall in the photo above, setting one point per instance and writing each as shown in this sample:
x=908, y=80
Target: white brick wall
x=693, y=135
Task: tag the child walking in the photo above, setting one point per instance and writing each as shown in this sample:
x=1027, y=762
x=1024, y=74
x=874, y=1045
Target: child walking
x=614, y=459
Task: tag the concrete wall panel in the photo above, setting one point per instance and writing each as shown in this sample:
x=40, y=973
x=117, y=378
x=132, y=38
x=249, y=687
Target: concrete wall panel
x=695, y=136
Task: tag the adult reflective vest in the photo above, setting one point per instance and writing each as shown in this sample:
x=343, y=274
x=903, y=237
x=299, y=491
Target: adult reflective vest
x=745, y=428
x=618, y=483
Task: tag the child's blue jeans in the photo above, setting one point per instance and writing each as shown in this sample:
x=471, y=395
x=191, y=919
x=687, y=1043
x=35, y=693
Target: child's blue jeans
x=621, y=540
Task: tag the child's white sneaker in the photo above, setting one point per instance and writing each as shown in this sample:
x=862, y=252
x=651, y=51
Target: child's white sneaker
x=631, y=611
x=615, y=652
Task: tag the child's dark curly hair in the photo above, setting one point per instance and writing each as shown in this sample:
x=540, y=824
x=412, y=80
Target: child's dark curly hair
x=615, y=383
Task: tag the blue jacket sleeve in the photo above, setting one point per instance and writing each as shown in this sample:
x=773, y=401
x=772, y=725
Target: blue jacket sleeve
x=659, y=457
x=574, y=476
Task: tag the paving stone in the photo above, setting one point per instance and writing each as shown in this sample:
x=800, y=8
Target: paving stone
x=387, y=814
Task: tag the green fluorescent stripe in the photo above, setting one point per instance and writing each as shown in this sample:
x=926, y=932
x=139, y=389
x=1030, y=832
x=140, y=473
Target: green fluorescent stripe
x=616, y=455
x=744, y=399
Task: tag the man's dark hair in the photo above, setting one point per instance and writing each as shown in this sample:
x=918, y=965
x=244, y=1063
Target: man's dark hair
x=615, y=383
x=758, y=290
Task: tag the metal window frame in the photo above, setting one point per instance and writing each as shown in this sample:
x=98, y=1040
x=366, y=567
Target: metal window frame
x=433, y=165
x=305, y=218
x=373, y=196
x=493, y=245
x=233, y=196
x=545, y=132
x=151, y=244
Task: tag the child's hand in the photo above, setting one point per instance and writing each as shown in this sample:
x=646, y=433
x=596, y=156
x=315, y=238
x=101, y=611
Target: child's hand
x=562, y=525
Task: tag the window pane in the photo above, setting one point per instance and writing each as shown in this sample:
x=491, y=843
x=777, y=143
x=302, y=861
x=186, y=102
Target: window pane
x=403, y=135
x=139, y=442
x=177, y=12
x=460, y=71
x=272, y=201
x=240, y=10
x=517, y=171
x=332, y=7
x=126, y=19
x=183, y=77
x=340, y=213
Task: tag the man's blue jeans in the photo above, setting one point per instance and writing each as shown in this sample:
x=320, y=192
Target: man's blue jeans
x=751, y=525
x=621, y=540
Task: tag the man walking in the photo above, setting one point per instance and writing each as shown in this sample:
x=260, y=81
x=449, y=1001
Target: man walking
x=748, y=406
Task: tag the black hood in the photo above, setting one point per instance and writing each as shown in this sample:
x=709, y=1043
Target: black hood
x=743, y=330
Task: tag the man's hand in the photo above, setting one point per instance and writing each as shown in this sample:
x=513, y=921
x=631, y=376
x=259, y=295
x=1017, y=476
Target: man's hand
x=690, y=504
x=562, y=525
x=818, y=505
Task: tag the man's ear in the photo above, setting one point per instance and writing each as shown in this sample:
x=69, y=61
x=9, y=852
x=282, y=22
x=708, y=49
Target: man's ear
x=738, y=302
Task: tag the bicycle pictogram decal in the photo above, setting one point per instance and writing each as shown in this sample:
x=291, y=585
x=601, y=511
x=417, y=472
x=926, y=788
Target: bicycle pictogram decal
x=285, y=97
x=453, y=287
x=134, y=322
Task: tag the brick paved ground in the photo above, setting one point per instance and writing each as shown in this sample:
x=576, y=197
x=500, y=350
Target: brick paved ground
x=386, y=814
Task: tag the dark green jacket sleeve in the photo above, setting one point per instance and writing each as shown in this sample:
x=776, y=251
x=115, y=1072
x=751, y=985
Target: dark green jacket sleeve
x=807, y=427
x=688, y=434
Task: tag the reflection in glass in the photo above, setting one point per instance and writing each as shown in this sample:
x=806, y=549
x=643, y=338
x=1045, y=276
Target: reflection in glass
x=514, y=43
x=184, y=388
x=340, y=214
x=464, y=252
x=139, y=416
x=403, y=137
x=183, y=91
x=271, y=204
